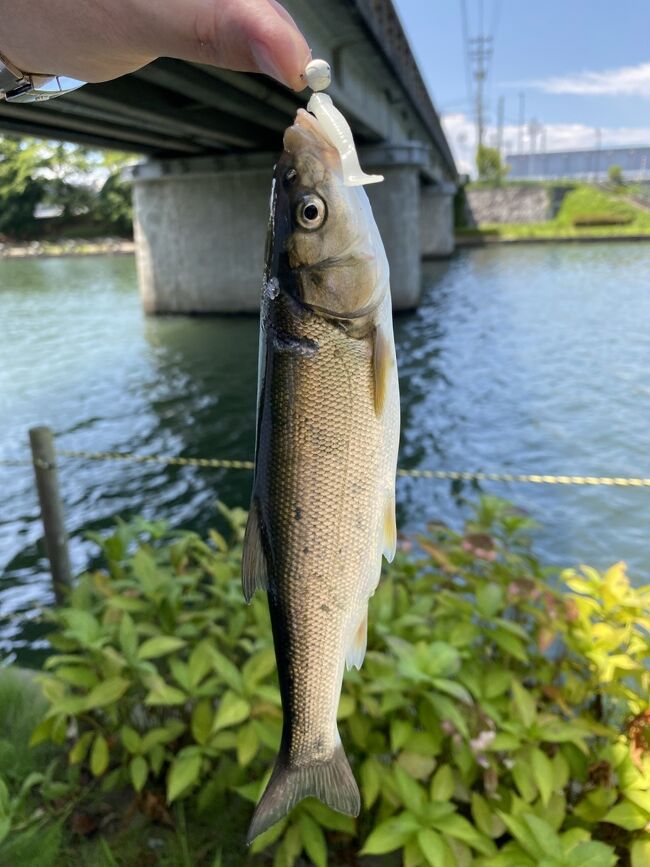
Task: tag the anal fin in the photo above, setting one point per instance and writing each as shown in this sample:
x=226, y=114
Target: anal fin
x=357, y=649
x=255, y=575
x=389, y=529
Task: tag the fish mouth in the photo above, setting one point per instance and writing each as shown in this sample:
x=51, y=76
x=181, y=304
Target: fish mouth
x=306, y=132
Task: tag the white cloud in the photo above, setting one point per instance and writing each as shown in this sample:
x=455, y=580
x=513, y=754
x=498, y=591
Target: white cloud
x=625, y=81
x=461, y=135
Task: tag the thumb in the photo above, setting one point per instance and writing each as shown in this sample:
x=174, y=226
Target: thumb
x=245, y=35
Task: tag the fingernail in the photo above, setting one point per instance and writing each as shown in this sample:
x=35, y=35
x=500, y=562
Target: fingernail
x=266, y=62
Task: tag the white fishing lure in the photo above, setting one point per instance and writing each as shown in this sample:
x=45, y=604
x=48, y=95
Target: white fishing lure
x=335, y=125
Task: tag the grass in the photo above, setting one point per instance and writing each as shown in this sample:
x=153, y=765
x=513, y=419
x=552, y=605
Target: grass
x=21, y=707
x=582, y=202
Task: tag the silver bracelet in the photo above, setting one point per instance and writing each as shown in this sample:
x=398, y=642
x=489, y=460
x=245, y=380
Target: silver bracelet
x=18, y=86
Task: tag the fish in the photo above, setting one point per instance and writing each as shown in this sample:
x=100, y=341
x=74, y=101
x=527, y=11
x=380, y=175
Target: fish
x=322, y=511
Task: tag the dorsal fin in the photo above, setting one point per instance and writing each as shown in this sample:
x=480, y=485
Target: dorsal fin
x=255, y=573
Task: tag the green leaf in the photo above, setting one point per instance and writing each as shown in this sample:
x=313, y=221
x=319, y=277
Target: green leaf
x=131, y=739
x=525, y=704
x=313, y=840
x=543, y=773
x=106, y=693
x=412, y=795
x=202, y=719
x=248, y=744
x=489, y=599
x=128, y=636
x=139, y=771
x=5, y=827
x=370, y=781
x=160, y=645
x=5, y=800
x=163, y=694
x=593, y=854
x=146, y=571
x=227, y=671
x=80, y=750
x=163, y=735
x=391, y=834
x=640, y=852
x=231, y=711
x=77, y=675
x=433, y=847
x=522, y=834
x=546, y=838
x=510, y=644
x=484, y=818
x=524, y=780
x=328, y=818
x=200, y=662
x=183, y=773
x=448, y=712
x=400, y=731
x=627, y=815
x=42, y=732
x=99, y=756
x=442, y=784
x=258, y=667
x=458, y=827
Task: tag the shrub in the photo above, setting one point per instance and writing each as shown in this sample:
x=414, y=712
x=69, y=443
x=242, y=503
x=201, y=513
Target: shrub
x=586, y=220
x=496, y=722
x=615, y=176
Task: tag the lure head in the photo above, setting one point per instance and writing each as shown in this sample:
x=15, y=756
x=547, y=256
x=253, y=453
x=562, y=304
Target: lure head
x=324, y=229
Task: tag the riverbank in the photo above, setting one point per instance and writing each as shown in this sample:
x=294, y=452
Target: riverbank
x=542, y=234
x=67, y=247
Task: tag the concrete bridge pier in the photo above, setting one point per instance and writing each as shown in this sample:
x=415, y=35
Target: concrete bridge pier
x=200, y=227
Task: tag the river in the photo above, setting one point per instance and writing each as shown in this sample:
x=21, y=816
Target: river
x=526, y=359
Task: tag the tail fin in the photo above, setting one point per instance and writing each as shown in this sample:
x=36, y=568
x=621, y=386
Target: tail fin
x=331, y=782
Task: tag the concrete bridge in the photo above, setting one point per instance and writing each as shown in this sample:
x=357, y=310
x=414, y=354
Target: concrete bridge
x=201, y=200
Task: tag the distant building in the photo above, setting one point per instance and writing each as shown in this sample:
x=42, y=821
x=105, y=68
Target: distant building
x=584, y=165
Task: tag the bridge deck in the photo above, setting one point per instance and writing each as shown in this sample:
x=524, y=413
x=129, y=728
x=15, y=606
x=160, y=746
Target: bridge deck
x=173, y=108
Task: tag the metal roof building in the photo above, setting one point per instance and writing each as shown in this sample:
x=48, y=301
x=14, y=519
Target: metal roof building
x=580, y=164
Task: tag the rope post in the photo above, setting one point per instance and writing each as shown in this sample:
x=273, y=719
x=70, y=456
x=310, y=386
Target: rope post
x=41, y=440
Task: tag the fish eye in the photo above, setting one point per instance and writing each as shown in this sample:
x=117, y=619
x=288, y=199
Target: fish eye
x=311, y=212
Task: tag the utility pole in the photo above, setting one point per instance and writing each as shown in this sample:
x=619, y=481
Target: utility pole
x=500, y=116
x=522, y=123
x=479, y=50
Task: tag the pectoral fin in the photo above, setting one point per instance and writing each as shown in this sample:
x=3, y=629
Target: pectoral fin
x=254, y=566
x=382, y=361
x=389, y=528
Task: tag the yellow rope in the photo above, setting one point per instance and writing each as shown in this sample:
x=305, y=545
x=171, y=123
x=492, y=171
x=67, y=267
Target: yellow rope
x=453, y=475
x=449, y=475
x=158, y=459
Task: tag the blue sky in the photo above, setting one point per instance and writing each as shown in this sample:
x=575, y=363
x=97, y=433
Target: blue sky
x=582, y=64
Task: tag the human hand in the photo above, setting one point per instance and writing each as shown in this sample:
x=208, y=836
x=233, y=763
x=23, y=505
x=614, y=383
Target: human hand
x=96, y=40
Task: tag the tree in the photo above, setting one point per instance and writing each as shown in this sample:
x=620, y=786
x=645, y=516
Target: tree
x=85, y=185
x=615, y=176
x=21, y=188
x=490, y=166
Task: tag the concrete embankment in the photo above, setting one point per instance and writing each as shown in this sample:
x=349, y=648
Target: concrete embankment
x=68, y=247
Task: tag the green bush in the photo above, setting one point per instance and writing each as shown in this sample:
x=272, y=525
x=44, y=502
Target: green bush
x=587, y=220
x=615, y=175
x=496, y=722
